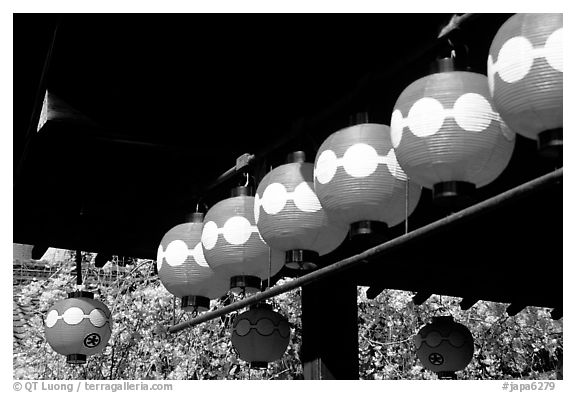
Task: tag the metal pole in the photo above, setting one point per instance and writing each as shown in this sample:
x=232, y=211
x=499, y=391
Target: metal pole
x=362, y=258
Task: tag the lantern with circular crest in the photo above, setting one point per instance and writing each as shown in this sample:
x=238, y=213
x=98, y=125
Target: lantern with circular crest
x=78, y=326
x=233, y=247
x=290, y=217
x=444, y=346
x=525, y=75
x=183, y=270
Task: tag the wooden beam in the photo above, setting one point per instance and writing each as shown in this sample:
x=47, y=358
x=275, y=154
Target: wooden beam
x=515, y=308
x=330, y=330
x=556, y=313
x=374, y=291
x=467, y=303
x=38, y=251
x=421, y=297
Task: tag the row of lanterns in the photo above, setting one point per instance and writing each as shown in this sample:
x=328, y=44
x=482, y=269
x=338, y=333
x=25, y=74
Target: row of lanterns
x=451, y=132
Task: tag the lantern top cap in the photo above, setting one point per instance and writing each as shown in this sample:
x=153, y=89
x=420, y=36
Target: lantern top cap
x=296, y=157
x=78, y=294
x=197, y=217
x=242, y=191
x=261, y=306
x=443, y=318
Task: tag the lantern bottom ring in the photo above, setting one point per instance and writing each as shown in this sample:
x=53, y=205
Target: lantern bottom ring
x=367, y=227
x=302, y=259
x=259, y=365
x=550, y=143
x=77, y=294
x=76, y=359
x=195, y=303
x=446, y=375
x=453, y=193
x=245, y=284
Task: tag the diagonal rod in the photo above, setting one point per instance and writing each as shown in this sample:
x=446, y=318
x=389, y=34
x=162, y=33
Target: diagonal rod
x=359, y=259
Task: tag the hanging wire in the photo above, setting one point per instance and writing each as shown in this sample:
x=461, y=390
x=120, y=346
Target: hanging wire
x=406, y=205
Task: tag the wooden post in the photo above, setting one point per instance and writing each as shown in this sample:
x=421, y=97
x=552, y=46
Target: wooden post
x=330, y=329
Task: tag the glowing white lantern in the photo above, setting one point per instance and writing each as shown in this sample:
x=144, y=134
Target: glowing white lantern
x=447, y=136
x=233, y=247
x=357, y=177
x=183, y=270
x=525, y=74
x=290, y=217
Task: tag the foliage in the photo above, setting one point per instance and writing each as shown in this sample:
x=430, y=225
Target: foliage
x=526, y=346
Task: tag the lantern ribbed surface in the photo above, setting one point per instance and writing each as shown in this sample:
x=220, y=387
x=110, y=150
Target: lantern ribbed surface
x=445, y=129
x=231, y=242
x=78, y=326
x=525, y=73
x=357, y=177
x=289, y=215
x=444, y=345
x=260, y=335
x=182, y=268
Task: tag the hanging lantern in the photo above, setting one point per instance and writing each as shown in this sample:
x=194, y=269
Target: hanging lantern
x=444, y=346
x=183, y=270
x=233, y=247
x=290, y=218
x=78, y=326
x=525, y=75
x=260, y=335
x=447, y=136
x=359, y=181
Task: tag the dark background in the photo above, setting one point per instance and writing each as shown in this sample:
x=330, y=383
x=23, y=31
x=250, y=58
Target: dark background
x=174, y=99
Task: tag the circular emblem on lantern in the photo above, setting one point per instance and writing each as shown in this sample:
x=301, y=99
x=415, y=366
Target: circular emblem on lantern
x=525, y=75
x=183, y=270
x=444, y=346
x=436, y=359
x=78, y=326
x=447, y=136
x=290, y=217
x=357, y=177
x=260, y=335
x=92, y=340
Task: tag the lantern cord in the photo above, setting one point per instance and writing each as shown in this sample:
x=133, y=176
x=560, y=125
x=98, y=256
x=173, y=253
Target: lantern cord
x=269, y=267
x=78, y=268
x=406, y=205
x=366, y=257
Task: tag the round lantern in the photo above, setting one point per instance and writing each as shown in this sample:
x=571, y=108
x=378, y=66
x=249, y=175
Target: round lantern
x=448, y=137
x=525, y=75
x=233, y=247
x=444, y=346
x=260, y=335
x=290, y=217
x=78, y=326
x=183, y=270
x=358, y=179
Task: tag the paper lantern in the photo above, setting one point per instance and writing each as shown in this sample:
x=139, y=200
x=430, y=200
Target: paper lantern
x=232, y=246
x=78, y=326
x=183, y=270
x=447, y=136
x=444, y=346
x=290, y=218
x=260, y=335
x=525, y=75
x=357, y=177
